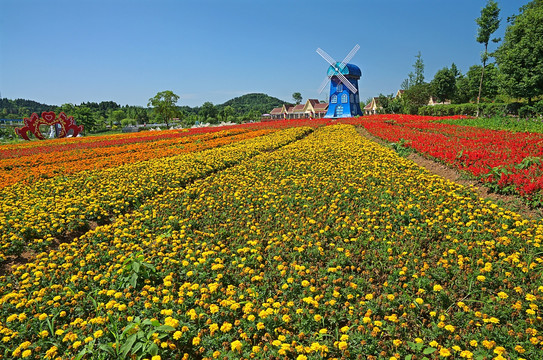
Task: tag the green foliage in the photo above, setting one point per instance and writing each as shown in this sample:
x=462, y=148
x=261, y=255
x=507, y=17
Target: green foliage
x=164, y=105
x=134, y=269
x=443, y=86
x=256, y=102
x=488, y=23
x=402, y=147
x=502, y=123
x=469, y=109
x=416, y=97
x=208, y=113
x=297, y=97
x=519, y=56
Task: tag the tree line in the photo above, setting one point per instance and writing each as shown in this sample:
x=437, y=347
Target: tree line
x=161, y=109
x=511, y=76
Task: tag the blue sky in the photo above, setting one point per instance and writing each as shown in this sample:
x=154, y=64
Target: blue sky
x=72, y=51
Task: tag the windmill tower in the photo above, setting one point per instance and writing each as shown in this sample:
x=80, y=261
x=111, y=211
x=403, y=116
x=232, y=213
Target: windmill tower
x=344, y=100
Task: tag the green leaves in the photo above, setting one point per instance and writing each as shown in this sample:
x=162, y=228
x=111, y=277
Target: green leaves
x=135, y=268
x=519, y=56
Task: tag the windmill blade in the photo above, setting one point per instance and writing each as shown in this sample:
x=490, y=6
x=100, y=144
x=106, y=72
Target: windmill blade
x=346, y=82
x=326, y=57
x=349, y=56
x=323, y=85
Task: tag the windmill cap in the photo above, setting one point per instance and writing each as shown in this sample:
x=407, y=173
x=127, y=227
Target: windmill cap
x=348, y=69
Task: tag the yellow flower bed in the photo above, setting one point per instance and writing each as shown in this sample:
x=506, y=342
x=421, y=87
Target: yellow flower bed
x=40, y=214
x=332, y=246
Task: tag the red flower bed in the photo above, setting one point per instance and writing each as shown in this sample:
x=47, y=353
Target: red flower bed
x=510, y=162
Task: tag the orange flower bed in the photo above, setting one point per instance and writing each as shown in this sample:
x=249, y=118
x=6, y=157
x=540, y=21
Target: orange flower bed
x=46, y=165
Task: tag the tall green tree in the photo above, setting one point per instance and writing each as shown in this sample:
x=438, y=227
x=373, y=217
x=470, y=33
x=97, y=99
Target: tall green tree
x=443, y=86
x=415, y=97
x=116, y=116
x=84, y=116
x=520, y=56
x=297, y=97
x=164, y=104
x=488, y=22
x=208, y=112
x=418, y=66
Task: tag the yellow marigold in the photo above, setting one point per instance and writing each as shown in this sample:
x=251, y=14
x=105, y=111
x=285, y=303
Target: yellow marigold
x=397, y=342
x=226, y=327
x=177, y=335
x=26, y=353
x=301, y=357
x=342, y=345
x=438, y=288
x=444, y=352
x=156, y=357
x=49, y=354
x=317, y=317
x=502, y=295
x=196, y=341
x=236, y=345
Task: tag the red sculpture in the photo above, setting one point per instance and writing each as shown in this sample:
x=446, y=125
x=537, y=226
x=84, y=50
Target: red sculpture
x=48, y=118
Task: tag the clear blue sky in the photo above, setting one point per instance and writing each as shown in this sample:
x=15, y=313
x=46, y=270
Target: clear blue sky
x=71, y=51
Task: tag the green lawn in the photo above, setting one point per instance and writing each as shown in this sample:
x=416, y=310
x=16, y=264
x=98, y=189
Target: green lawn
x=502, y=123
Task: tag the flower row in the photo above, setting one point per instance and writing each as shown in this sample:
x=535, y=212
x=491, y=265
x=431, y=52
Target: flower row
x=47, y=212
x=50, y=164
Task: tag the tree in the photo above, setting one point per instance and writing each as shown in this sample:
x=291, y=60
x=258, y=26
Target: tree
x=297, y=97
x=467, y=86
x=443, y=86
x=208, y=112
x=227, y=112
x=164, y=104
x=454, y=70
x=84, y=116
x=415, y=97
x=417, y=77
x=519, y=57
x=116, y=116
x=488, y=24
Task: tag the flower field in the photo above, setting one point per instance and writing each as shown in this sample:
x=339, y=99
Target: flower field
x=508, y=162
x=291, y=242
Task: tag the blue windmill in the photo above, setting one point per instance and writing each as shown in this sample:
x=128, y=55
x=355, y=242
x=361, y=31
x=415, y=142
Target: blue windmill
x=344, y=100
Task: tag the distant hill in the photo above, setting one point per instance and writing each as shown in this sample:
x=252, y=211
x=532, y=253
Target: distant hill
x=18, y=106
x=246, y=106
x=258, y=102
